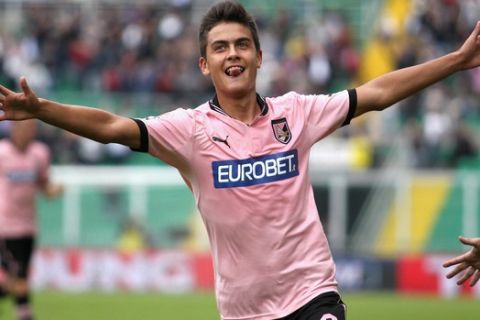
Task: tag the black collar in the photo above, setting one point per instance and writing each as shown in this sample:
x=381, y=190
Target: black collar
x=215, y=105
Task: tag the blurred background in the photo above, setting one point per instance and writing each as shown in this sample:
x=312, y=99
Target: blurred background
x=394, y=189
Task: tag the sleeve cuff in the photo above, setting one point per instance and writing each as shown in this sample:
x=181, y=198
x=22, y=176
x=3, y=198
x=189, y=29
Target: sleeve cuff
x=143, y=136
x=352, y=95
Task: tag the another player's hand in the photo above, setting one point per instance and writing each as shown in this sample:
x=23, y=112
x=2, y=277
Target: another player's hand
x=18, y=105
x=470, y=50
x=52, y=190
x=468, y=262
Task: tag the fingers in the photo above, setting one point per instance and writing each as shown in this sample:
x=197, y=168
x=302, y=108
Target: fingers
x=24, y=85
x=455, y=260
x=475, y=278
x=474, y=242
x=2, y=112
x=457, y=270
x=476, y=30
x=5, y=91
x=467, y=274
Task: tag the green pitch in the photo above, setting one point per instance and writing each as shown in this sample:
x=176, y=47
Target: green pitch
x=120, y=306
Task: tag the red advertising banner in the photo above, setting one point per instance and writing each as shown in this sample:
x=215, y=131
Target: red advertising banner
x=425, y=275
x=108, y=270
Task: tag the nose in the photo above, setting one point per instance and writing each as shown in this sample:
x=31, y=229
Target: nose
x=232, y=52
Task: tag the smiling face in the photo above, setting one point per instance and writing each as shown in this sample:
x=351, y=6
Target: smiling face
x=231, y=59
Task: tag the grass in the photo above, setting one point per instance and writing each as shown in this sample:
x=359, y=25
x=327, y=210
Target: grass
x=124, y=306
x=391, y=306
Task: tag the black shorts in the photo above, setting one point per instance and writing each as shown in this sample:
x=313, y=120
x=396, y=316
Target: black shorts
x=327, y=306
x=15, y=255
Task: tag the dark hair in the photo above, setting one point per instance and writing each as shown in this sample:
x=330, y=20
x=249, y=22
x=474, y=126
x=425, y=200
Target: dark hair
x=226, y=11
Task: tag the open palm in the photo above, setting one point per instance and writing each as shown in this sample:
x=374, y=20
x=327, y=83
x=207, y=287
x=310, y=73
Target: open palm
x=468, y=262
x=18, y=105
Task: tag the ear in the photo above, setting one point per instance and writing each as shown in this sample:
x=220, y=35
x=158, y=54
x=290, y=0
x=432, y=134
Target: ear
x=259, y=58
x=203, y=65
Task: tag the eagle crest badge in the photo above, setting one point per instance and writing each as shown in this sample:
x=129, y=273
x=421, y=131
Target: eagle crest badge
x=281, y=131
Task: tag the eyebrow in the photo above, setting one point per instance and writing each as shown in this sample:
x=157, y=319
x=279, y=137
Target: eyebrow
x=234, y=41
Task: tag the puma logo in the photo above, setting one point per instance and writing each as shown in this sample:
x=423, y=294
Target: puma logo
x=217, y=139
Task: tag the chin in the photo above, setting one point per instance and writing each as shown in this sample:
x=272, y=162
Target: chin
x=238, y=90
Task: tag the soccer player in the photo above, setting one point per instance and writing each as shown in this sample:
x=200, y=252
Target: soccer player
x=245, y=158
x=24, y=168
x=469, y=262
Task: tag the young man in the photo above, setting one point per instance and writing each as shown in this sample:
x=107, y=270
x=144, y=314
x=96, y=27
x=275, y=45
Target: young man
x=245, y=158
x=468, y=263
x=24, y=167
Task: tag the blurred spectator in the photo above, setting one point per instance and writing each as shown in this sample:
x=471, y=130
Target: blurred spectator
x=464, y=146
x=437, y=128
x=148, y=50
x=133, y=237
x=434, y=121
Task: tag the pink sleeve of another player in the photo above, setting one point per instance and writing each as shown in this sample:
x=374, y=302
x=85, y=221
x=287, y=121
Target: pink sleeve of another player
x=326, y=113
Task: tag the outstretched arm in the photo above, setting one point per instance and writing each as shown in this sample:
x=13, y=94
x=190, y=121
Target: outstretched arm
x=95, y=124
x=468, y=262
x=392, y=87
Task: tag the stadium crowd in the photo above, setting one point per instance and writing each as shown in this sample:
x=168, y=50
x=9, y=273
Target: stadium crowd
x=149, y=51
x=440, y=122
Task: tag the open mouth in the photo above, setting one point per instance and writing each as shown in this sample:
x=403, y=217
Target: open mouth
x=234, y=71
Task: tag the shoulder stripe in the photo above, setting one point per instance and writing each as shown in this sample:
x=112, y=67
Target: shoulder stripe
x=263, y=105
x=352, y=95
x=143, y=136
x=214, y=106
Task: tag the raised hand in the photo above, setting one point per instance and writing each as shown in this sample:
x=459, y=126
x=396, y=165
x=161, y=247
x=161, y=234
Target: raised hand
x=468, y=262
x=18, y=105
x=470, y=50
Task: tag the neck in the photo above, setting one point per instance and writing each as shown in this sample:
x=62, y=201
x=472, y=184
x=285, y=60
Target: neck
x=21, y=146
x=243, y=108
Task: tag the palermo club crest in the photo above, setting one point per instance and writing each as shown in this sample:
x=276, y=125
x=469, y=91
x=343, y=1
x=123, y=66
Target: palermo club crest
x=281, y=131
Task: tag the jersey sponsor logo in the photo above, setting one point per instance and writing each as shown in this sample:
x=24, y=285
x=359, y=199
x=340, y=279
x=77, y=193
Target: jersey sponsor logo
x=257, y=170
x=21, y=176
x=281, y=131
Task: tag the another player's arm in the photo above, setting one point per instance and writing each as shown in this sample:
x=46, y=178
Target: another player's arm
x=392, y=87
x=51, y=190
x=92, y=123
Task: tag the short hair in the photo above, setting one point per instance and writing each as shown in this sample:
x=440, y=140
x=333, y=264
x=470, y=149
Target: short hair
x=226, y=11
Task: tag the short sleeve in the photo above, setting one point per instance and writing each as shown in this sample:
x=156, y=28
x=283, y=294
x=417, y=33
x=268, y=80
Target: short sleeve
x=326, y=113
x=168, y=137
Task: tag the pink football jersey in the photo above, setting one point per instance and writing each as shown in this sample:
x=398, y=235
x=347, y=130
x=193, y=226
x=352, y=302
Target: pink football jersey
x=252, y=188
x=21, y=175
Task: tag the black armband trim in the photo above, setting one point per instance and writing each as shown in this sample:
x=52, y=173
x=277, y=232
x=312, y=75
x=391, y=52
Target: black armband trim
x=352, y=95
x=143, y=136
